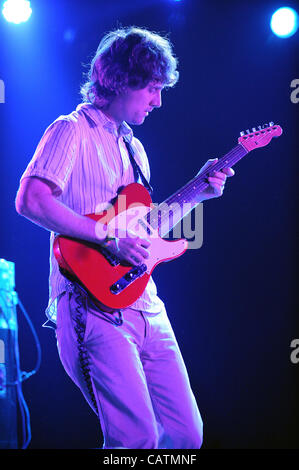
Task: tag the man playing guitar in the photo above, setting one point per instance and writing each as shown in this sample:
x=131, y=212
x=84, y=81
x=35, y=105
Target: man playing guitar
x=126, y=362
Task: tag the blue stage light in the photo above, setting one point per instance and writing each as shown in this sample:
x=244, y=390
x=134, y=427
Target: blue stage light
x=16, y=11
x=284, y=22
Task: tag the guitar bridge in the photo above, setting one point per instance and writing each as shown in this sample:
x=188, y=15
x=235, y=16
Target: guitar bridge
x=128, y=278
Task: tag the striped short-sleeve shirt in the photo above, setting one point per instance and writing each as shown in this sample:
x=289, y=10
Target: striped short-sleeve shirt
x=84, y=155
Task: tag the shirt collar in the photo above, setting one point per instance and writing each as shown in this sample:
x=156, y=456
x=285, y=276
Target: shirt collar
x=101, y=119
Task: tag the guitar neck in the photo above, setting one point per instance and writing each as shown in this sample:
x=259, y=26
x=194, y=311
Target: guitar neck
x=190, y=191
x=167, y=214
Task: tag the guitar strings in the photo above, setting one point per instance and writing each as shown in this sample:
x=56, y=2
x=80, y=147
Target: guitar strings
x=159, y=215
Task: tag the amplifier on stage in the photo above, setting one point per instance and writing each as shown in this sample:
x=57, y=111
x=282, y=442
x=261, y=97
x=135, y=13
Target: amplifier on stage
x=8, y=357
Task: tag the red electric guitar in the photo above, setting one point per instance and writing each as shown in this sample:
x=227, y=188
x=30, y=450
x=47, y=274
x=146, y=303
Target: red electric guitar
x=114, y=284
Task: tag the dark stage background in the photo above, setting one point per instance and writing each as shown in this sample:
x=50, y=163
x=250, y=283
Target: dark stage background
x=232, y=302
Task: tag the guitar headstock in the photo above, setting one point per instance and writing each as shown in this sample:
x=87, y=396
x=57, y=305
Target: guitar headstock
x=259, y=137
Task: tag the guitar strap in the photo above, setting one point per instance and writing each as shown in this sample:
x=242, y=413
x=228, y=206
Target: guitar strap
x=136, y=168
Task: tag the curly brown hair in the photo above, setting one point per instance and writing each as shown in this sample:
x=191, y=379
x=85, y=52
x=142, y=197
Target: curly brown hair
x=129, y=57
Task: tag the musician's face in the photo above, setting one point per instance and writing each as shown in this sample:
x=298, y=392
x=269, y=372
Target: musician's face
x=133, y=106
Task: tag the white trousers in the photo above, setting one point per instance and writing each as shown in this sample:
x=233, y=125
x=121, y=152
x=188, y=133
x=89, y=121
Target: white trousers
x=130, y=370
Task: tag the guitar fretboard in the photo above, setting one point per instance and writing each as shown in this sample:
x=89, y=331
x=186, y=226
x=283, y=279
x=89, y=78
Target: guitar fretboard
x=186, y=198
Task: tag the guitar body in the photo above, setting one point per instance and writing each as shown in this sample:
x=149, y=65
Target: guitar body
x=114, y=284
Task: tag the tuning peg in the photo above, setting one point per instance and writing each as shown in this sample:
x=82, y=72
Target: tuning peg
x=248, y=131
x=242, y=133
x=253, y=129
x=271, y=124
x=259, y=128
